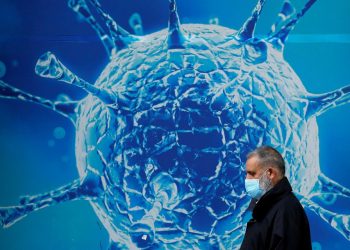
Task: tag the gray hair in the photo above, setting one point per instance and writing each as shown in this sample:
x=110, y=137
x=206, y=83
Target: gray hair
x=268, y=156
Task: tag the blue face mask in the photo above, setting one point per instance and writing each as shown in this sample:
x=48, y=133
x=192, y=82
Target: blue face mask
x=255, y=189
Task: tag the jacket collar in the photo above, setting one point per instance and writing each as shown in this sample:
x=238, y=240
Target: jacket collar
x=270, y=198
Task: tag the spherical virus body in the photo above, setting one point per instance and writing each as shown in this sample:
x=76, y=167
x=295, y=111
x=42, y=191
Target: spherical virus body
x=193, y=114
x=162, y=137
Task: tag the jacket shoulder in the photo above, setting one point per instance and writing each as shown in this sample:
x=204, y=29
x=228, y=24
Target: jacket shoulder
x=290, y=209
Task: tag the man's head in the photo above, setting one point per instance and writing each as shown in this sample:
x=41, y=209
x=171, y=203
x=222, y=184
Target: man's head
x=265, y=164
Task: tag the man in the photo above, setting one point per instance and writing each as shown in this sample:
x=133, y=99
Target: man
x=279, y=221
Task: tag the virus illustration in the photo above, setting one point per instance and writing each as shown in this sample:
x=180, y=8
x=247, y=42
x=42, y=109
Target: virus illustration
x=162, y=136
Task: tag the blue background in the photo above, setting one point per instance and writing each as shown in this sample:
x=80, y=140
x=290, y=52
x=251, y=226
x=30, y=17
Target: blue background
x=34, y=160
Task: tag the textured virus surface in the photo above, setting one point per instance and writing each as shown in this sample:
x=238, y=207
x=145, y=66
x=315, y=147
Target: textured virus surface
x=162, y=136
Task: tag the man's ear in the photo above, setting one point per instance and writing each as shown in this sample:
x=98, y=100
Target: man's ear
x=275, y=174
x=272, y=172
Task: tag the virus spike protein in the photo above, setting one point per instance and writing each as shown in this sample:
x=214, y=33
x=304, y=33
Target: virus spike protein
x=286, y=12
x=49, y=66
x=81, y=8
x=119, y=35
x=135, y=23
x=88, y=188
x=65, y=108
x=166, y=195
x=283, y=33
x=247, y=30
x=175, y=33
x=327, y=187
x=340, y=222
x=318, y=104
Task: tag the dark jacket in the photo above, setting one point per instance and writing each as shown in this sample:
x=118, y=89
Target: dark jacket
x=279, y=222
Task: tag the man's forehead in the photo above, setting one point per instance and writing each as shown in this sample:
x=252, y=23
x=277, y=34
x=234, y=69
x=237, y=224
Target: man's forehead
x=253, y=163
